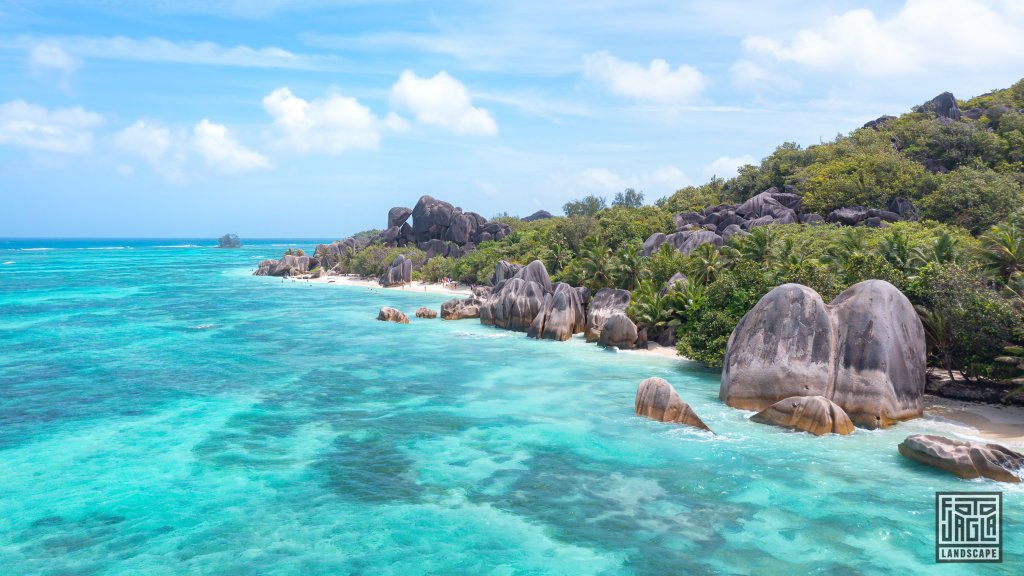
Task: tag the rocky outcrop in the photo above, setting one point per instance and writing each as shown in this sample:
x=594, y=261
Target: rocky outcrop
x=461, y=309
x=944, y=106
x=229, y=241
x=538, y=215
x=389, y=314
x=965, y=459
x=618, y=332
x=604, y=304
x=561, y=315
x=439, y=228
x=288, y=265
x=815, y=414
x=865, y=352
x=657, y=399
x=398, y=273
x=860, y=216
x=503, y=270
x=515, y=302
x=425, y=312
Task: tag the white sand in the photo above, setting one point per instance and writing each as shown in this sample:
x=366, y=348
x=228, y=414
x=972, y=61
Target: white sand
x=353, y=280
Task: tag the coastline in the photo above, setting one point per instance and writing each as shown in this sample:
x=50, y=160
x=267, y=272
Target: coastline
x=988, y=422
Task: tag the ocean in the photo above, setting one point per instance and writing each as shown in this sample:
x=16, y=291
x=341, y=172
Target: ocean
x=162, y=411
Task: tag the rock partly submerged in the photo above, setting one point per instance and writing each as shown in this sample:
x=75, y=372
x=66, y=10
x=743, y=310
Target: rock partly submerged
x=865, y=352
x=605, y=303
x=815, y=414
x=618, y=332
x=965, y=459
x=389, y=314
x=424, y=312
x=657, y=399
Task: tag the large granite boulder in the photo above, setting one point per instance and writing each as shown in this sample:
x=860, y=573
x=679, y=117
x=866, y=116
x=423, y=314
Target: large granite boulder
x=604, y=304
x=815, y=414
x=686, y=218
x=513, y=305
x=424, y=312
x=766, y=204
x=965, y=459
x=944, y=106
x=460, y=309
x=288, y=265
x=389, y=314
x=850, y=216
x=618, y=332
x=657, y=399
x=865, y=352
x=430, y=218
x=503, y=270
x=653, y=242
x=398, y=273
x=561, y=315
x=462, y=229
x=397, y=216
x=694, y=239
x=536, y=272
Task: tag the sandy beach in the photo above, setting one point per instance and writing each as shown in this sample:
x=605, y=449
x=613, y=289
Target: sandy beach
x=455, y=289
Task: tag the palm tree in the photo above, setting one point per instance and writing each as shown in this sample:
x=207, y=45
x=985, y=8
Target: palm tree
x=761, y=245
x=851, y=246
x=630, y=268
x=944, y=250
x=706, y=263
x=939, y=336
x=560, y=256
x=598, y=264
x=1003, y=254
x=897, y=250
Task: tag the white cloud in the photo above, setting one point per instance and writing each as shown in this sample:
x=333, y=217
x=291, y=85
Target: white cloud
x=727, y=166
x=164, y=150
x=660, y=181
x=221, y=151
x=333, y=124
x=658, y=82
x=168, y=51
x=924, y=33
x=65, y=130
x=441, y=101
x=49, y=56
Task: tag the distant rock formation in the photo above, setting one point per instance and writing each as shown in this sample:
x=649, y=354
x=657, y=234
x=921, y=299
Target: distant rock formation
x=229, y=241
x=607, y=302
x=398, y=273
x=658, y=400
x=439, y=228
x=865, y=351
x=424, y=312
x=944, y=106
x=965, y=459
x=389, y=314
x=718, y=224
x=815, y=414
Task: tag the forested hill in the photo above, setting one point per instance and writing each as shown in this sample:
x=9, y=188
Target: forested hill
x=929, y=201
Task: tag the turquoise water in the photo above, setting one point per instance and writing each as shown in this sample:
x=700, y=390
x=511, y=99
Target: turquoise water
x=164, y=412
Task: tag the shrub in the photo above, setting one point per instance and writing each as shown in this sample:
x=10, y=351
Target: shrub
x=972, y=198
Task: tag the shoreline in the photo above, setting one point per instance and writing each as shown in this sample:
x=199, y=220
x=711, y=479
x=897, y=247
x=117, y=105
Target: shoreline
x=988, y=422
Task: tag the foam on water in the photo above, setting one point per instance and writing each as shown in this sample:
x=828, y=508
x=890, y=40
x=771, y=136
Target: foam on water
x=164, y=412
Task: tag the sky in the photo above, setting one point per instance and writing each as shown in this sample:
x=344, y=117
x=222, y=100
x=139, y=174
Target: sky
x=302, y=118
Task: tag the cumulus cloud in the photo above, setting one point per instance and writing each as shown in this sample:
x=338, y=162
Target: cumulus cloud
x=923, y=33
x=161, y=148
x=727, y=166
x=221, y=151
x=658, y=82
x=441, y=101
x=64, y=131
x=660, y=181
x=50, y=56
x=333, y=124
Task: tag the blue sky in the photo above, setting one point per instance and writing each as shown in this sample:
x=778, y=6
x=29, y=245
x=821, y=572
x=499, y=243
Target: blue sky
x=307, y=118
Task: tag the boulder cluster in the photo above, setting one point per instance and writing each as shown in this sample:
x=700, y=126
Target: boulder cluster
x=399, y=272
x=288, y=265
x=865, y=352
x=439, y=228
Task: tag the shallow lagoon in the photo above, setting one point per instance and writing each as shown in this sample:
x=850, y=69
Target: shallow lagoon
x=163, y=412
